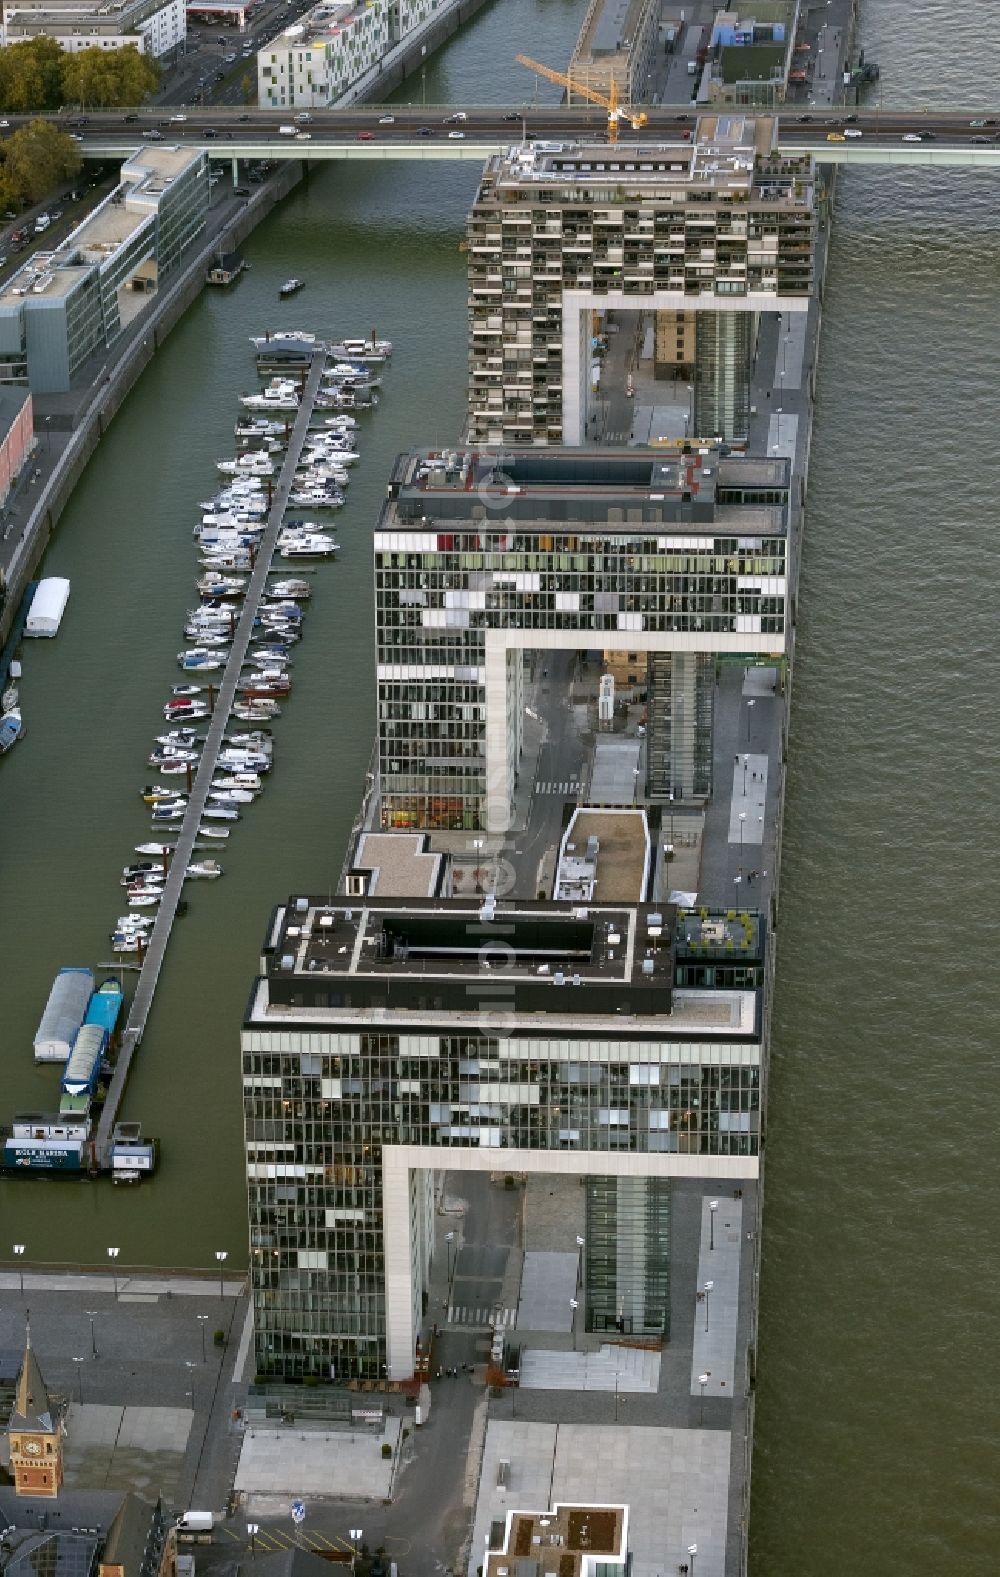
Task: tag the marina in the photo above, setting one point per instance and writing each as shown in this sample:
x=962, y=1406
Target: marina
x=244, y=628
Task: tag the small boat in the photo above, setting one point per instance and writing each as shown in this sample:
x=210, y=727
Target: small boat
x=270, y=401
x=306, y=548
x=11, y=728
x=212, y=559
x=201, y=662
x=155, y=848
x=299, y=339
x=295, y=588
x=195, y=710
x=291, y=287
x=219, y=833
x=221, y=813
x=140, y=868
x=204, y=870
x=239, y=780
x=144, y=900
x=156, y=794
x=256, y=711
x=223, y=796
x=188, y=689
x=169, y=812
x=210, y=585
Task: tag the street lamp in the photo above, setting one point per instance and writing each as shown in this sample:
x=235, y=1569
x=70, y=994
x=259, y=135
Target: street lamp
x=252, y=1529
x=113, y=1254
x=221, y=1255
x=79, y=1378
x=92, y=1315
x=703, y=1380
x=692, y=1551
x=449, y=1238
x=356, y=1533
x=19, y=1253
x=749, y=710
x=708, y=1287
x=713, y=1205
x=203, y=1321
x=573, y=1306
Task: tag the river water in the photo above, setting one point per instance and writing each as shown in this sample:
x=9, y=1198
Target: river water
x=876, y=1445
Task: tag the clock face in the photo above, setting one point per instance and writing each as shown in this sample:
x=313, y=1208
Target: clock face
x=33, y=1447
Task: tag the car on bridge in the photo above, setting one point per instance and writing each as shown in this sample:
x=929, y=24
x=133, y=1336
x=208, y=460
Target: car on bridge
x=835, y=136
x=366, y=136
x=852, y=131
x=387, y=120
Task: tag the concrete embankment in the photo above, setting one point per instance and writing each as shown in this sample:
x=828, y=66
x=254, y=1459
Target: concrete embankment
x=98, y=405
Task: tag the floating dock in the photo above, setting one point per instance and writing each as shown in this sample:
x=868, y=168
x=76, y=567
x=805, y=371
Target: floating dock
x=149, y=973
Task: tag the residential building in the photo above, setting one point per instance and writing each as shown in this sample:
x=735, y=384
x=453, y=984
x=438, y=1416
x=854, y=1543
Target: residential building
x=65, y=305
x=617, y=44
x=317, y=58
x=724, y=224
x=619, y=1041
x=480, y=557
x=674, y=346
x=17, y=436
x=154, y=27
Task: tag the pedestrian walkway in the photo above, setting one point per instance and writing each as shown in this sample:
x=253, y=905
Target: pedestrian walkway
x=748, y=799
x=124, y=1286
x=717, y=1310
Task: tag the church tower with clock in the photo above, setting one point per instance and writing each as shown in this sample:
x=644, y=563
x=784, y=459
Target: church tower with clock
x=35, y=1433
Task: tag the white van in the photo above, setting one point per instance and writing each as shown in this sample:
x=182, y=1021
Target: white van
x=286, y=131
x=42, y=223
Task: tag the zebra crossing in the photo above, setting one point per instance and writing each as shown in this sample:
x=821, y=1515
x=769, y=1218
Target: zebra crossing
x=552, y=786
x=481, y=1316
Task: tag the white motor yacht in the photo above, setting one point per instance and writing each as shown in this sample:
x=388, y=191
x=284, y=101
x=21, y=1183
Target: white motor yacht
x=205, y=870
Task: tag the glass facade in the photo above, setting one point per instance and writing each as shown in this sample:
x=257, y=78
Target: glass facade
x=724, y=342
x=320, y=1105
x=439, y=593
x=628, y=1256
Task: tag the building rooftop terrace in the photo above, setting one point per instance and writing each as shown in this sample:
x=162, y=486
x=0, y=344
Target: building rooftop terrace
x=580, y=490
x=568, y=1541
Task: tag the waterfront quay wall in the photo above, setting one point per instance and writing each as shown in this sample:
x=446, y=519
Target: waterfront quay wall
x=99, y=405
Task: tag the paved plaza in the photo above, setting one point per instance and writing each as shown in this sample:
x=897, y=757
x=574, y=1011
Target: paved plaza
x=674, y=1481
x=138, y=1448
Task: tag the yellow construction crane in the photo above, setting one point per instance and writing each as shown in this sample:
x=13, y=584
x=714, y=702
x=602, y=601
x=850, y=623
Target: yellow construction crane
x=617, y=112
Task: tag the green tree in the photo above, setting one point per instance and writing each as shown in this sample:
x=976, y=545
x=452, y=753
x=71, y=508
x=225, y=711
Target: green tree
x=31, y=76
x=36, y=159
x=108, y=78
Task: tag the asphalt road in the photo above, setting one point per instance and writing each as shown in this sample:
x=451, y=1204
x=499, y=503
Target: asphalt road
x=541, y=122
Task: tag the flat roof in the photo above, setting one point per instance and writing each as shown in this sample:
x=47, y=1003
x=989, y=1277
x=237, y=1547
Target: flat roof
x=721, y=157
x=146, y=175
x=609, y=29
x=621, y=858
x=568, y=1541
x=317, y=26
x=401, y=864
x=560, y=490
x=463, y=939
